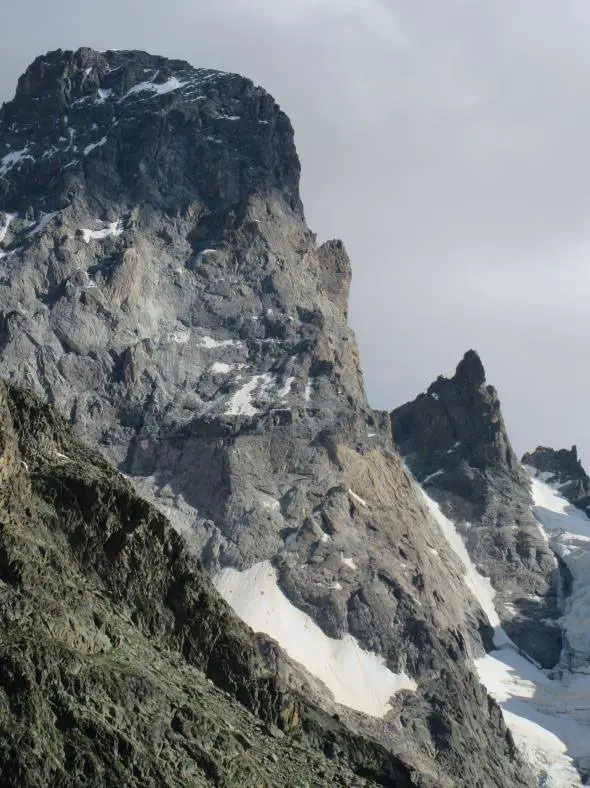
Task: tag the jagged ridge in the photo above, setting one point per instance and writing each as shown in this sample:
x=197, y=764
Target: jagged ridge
x=454, y=440
x=563, y=467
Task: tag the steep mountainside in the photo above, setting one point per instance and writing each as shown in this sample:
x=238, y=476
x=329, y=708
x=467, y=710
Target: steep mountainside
x=524, y=528
x=454, y=440
x=160, y=287
x=119, y=662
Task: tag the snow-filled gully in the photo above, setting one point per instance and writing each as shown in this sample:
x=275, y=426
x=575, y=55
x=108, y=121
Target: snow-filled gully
x=357, y=678
x=548, y=712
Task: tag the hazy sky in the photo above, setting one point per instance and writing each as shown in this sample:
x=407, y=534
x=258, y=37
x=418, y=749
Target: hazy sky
x=446, y=141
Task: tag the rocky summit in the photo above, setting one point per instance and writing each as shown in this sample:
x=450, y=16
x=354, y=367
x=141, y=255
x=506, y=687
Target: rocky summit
x=160, y=289
x=454, y=440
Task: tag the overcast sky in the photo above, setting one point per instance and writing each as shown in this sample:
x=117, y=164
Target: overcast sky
x=446, y=141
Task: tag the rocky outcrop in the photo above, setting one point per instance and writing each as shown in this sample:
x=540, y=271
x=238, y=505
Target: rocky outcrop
x=120, y=663
x=454, y=440
x=162, y=290
x=563, y=469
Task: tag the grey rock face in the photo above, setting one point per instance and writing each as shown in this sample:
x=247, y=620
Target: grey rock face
x=454, y=440
x=161, y=288
x=563, y=468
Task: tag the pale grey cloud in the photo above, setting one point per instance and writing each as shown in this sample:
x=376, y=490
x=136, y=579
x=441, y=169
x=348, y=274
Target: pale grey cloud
x=446, y=142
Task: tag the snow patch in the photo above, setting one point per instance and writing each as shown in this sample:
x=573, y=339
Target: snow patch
x=209, y=343
x=157, y=88
x=432, y=476
x=539, y=714
x=568, y=532
x=357, y=678
x=89, y=148
x=8, y=218
x=264, y=388
x=103, y=94
x=286, y=389
x=14, y=158
x=112, y=229
x=549, y=718
x=240, y=404
x=219, y=368
x=348, y=562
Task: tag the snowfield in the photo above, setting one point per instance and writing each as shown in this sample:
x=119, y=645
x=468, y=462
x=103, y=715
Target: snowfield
x=548, y=712
x=357, y=678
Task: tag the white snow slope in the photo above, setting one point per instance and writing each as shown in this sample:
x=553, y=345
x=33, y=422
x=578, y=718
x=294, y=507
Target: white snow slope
x=548, y=712
x=357, y=678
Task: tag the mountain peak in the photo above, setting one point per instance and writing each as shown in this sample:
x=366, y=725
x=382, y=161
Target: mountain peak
x=458, y=419
x=143, y=128
x=454, y=440
x=470, y=370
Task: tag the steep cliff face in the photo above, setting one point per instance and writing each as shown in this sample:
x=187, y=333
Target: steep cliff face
x=454, y=440
x=160, y=287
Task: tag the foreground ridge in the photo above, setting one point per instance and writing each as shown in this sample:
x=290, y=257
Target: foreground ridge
x=120, y=662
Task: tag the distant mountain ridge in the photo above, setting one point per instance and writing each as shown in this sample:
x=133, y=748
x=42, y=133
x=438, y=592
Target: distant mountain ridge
x=563, y=468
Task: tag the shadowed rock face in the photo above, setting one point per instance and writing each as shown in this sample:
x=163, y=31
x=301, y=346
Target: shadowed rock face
x=454, y=440
x=162, y=290
x=192, y=137
x=563, y=468
x=119, y=662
